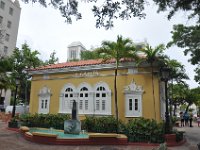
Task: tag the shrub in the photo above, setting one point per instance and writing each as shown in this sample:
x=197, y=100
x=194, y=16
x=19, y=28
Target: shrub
x=44, y=120
x=145, y=130
x=13, y=123
x=179, y=135
x=101, y=124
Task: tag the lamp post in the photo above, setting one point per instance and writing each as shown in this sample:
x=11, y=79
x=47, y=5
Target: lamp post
x=165, y=72
x=14, y=104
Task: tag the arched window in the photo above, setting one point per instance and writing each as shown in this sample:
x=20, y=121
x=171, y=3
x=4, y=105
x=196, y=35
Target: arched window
x=68, y=95
x=85, y=99
x=102, y=99
x=44, y=100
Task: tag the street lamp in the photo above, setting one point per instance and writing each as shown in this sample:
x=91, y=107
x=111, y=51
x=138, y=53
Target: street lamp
x=14, y=104
x=165, y=73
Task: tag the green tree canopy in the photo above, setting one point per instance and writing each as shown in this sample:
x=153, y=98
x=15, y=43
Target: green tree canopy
x=86, y=55
x=53, y=59
x=177, y=71
x=104, y=11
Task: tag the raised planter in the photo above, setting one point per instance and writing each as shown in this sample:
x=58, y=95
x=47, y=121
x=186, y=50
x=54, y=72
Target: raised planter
x=170, y=139
x=13, y=124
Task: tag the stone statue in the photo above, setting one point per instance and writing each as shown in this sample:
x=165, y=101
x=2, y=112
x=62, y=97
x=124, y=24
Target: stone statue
x=74, y=111
x=73, y=126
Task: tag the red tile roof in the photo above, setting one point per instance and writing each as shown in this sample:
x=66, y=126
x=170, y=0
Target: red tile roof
x=74, y=64
x=78, y=63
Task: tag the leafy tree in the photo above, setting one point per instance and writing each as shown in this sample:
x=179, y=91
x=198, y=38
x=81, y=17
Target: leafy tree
x=192, y=97
x=177, y=75
x=191, y=6
x=188, y=37
x=86, y=55
x=178, y=93
x=104, y=11
x=184, y=96
x=116, y=50
x=177, y=71
x=53, y=59
x=196, y=100
x=5, y=68
x=23, y=59
x=153, y=56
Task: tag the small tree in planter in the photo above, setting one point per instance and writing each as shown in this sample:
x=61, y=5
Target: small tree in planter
x=13, y=123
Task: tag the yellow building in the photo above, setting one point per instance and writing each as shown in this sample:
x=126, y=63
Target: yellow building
x=91, y=84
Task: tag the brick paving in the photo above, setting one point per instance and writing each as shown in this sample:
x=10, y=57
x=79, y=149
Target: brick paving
x=10, y=140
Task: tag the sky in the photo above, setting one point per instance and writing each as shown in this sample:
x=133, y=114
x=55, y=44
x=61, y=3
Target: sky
x=45, y=30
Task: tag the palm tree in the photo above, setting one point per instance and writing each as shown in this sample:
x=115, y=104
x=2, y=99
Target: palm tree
x=122, y=48
x=153, y=56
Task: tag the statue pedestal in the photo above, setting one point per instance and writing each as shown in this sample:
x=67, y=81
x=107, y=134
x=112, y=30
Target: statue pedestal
x=72, y=127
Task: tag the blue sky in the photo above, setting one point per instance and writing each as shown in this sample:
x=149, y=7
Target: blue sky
x=45, y=30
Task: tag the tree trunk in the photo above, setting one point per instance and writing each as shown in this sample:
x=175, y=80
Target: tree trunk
x=154, y=101
x=0, y=93
x=170, y=101
x=116, y=102
x=187, y=108
x=175, y=107
x=115, y=93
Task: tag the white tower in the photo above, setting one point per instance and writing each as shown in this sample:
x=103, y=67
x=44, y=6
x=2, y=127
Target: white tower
x=74, y=50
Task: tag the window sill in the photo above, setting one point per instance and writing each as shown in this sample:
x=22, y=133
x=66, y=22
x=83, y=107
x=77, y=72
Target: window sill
x=133, y=116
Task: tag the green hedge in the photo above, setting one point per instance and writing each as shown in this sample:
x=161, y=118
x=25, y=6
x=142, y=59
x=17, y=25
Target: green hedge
x=44, y=120
x=100, y=124
x=137, y=130
x=145, y=130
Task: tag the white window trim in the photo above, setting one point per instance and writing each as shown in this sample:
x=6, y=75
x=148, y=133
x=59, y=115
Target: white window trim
x=89, y=98
x=62, y=100
x=44, y=94
x=133, y=91
x=108, y=99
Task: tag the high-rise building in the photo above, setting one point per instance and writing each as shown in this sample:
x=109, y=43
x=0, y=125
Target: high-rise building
x=74, y=50
x=9, y=23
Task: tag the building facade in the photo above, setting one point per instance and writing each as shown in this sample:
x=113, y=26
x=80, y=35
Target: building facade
x=74, y=51
x=9, y=23
x=91, y=84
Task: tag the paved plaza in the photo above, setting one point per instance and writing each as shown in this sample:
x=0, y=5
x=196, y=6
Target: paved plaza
x=10, y=140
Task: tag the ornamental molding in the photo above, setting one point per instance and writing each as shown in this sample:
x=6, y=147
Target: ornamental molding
x=44, y=92
x=133, y=88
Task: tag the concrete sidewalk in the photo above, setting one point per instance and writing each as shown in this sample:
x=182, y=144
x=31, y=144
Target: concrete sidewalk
x=192, y=135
